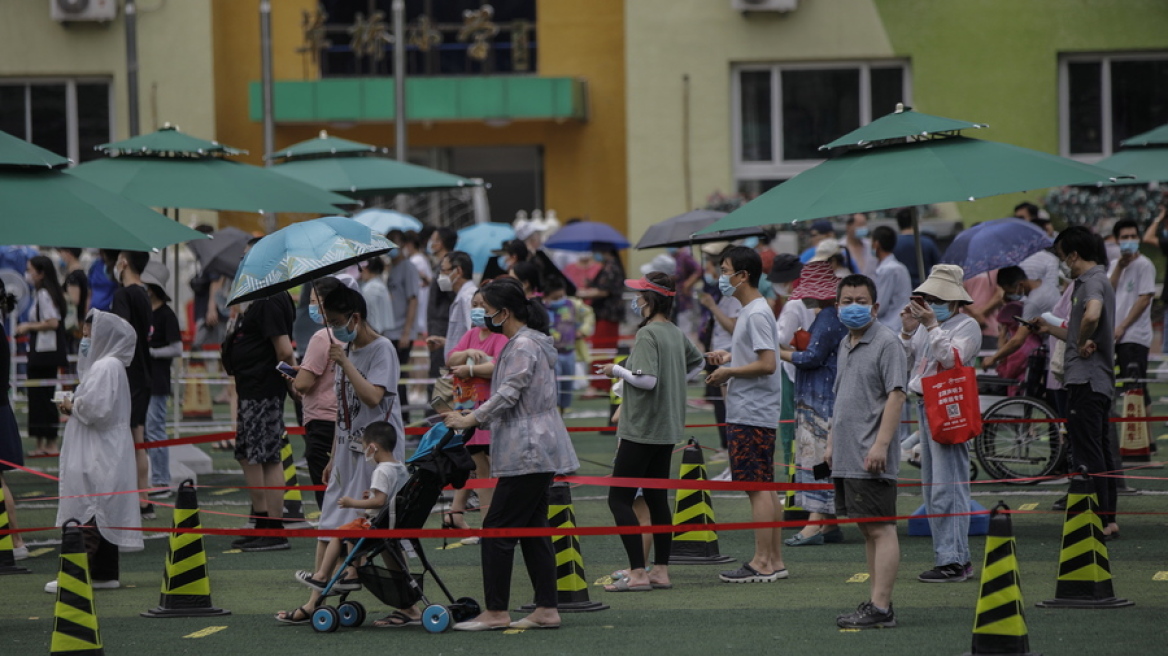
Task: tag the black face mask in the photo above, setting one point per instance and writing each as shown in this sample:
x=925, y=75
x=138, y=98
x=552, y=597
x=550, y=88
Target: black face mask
x=490, y=321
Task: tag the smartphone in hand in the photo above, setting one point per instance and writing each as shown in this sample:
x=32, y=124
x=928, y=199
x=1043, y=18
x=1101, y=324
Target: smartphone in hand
x=440, y=405
x=919, y=300
x=286, y=369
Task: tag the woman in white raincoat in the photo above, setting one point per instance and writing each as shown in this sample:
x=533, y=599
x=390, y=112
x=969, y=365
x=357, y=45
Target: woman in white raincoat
x=97, y=456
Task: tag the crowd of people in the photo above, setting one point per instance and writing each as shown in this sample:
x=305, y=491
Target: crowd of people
x=837, y=339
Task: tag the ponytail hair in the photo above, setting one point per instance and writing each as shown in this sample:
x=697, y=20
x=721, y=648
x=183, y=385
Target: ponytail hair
x=506, y=293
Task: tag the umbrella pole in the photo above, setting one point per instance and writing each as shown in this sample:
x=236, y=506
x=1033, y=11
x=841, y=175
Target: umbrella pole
x=921, y=273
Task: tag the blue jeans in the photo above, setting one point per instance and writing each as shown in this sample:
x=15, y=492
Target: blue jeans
x=945, y=487
x=156, y=432
x=566, y=366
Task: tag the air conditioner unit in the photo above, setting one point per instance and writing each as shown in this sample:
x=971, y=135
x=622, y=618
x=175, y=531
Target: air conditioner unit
x=765, y=5
x=83, y=10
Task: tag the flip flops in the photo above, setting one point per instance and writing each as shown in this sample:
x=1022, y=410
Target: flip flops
x=623, y=586
x=397, y=619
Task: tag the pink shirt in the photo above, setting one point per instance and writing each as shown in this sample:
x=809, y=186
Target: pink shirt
x=320, y=403
x=981, y=288
x=477, y=393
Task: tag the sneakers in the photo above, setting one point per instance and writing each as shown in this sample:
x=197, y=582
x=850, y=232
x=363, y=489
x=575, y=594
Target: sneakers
x=164, y=493
x=867, y=616
x=951, y=573
x=238, y=543
x=51, y=586
x=265, y=544
x=20, y=553
x=1060, y=503
x=748, y=574
x=147, y=511
x=724, y=476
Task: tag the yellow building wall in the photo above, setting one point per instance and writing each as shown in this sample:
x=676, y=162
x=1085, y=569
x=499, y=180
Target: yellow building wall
x=584, y=166
x=175, y=69
x=666, y=39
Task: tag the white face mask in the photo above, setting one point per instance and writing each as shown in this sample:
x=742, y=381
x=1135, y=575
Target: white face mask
x=445, y=284
x=370, y=451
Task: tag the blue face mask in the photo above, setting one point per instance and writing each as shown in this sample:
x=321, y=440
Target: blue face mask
x=315, y=315
x=599, y=257
x=725, y=287
x=344, y=333
x=502, y=262
x=942, y=311
x=478, y=317
x=750, y=242
x=1129, y=246
x=83, y=347
x=862, y=233
x=855, y=316
x=635, y=306
x=394, y=252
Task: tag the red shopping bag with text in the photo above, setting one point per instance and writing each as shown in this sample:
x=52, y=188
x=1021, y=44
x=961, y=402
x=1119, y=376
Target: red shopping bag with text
x=951, y=403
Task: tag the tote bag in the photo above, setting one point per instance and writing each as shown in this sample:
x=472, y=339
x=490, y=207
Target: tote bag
x=951, y=403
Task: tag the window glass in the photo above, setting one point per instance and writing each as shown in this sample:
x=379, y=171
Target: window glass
x=887, y=86
x=49, y=126
x=818, y=106
x=93, y=119
x=1139, y=97
x=12, y=113
x=1085, y=113
x=757, y=141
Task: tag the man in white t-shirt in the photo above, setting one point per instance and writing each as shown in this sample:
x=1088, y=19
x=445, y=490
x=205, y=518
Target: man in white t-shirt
x=1133, y=276
x=752, y=379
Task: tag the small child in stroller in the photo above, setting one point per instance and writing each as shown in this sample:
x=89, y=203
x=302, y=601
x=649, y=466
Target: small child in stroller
x=379, y=441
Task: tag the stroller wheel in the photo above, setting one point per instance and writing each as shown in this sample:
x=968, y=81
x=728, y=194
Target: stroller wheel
x=436, y=619
x=325, y=619
x=352, y=613
x=464, y=609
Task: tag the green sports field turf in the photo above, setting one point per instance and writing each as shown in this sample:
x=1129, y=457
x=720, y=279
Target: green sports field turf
x=699, y=616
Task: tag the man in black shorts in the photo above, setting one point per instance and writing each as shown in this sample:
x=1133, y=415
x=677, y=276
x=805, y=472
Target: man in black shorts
x=132, y=303
x=862, y=449
x=258, y=340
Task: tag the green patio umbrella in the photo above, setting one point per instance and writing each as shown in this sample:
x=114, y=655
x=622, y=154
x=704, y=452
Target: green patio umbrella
x=1144, y=157
x=903, y=168
x=359, y=170
x=40, y=204
x=170, y=169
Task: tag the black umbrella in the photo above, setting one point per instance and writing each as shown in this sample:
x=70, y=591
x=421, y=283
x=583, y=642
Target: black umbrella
x=679, y=231
x=221, y=254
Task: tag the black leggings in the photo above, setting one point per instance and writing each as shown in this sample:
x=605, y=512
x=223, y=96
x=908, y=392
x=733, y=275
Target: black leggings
x=318, y=444
x=403, y=360
x=636, y=460
x=519, y=502
x=43, y=417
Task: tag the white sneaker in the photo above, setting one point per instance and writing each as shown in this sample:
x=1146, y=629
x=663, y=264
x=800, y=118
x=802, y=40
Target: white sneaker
x=51, y=586
x=20, y=553
x=724, y=476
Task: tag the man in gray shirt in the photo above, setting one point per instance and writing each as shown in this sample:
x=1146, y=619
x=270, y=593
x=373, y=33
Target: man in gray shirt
x=1089, y=365
x=1037, y=298
x=893, y=283
x=861, y=449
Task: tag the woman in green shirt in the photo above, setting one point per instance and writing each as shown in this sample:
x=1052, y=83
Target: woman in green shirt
x=652, y=420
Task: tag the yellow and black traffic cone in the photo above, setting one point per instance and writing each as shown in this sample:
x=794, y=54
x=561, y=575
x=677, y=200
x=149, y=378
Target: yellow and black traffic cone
x=694, y=507
x=999, y=626
x=75, y=629
x=1084, y=578
x=7, y=558
x=571, y=584
x=293, y=501
x=186, y=586
x=793, y=512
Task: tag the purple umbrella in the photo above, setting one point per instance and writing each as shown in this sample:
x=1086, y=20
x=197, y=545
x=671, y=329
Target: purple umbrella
x=995, y=244
x=580, y=236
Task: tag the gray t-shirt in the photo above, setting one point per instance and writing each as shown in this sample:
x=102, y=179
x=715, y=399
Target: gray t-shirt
x=754, y=401
x=1040, y=300
x=868, y=372
x=403, y=285
x=1098, y=370
x=657, y=416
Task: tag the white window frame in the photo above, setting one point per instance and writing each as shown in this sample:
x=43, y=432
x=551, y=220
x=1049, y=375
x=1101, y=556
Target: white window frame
x=1064, y=97
x=70, y=84
x=778, y=168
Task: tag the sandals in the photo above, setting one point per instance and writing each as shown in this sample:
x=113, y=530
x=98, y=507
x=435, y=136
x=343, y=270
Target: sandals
x=286, y=617
x=623, y=586
x=397, y=619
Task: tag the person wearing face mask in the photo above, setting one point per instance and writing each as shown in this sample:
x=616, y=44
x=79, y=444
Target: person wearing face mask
x=260, y=338
x=1133, y=276
x=859, y=242
x=315, y=381
x=933, y=328
x=652, y=421
x=815, y=371
x=752, y=410
x=862, y=452
x=389, y=476
x=1089, y=368
x=46, y=351
x=455, y=274
x=529, y=446
x=893, y=282
x=717, y=326
x=1036, y=297
x=439, y=243
x=472, y=364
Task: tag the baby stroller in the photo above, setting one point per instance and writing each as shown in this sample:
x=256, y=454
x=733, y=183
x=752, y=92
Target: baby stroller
x=441, y=459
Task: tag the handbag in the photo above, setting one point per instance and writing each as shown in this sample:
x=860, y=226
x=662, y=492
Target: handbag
x=951, y=403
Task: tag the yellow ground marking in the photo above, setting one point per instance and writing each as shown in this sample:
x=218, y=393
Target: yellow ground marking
x=858, y=578
x=1028, y=506
x=34, y=493
x=452, y=545
x=234, y=551
x=219, y=493
x=512, y=631
x=40, y=552
x=313, y=515
x=1160, y=576
x=849, y=630
x=203, y=633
